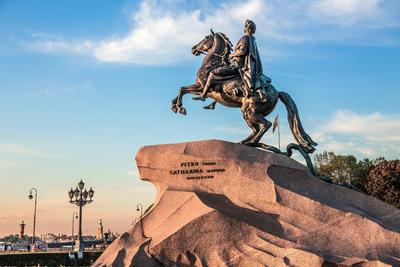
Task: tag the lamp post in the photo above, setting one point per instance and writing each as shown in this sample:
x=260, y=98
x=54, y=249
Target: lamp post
x=82, y=197
x=34, y=215
x=74, y=216
x=141, y=215
x=141, y=209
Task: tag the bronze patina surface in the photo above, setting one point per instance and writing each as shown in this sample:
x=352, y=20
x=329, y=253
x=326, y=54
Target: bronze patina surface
x=235, y=79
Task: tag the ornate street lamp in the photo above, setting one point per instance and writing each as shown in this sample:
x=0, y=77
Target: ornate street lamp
x=74, y=216
x=80, y=197
x=34, y=215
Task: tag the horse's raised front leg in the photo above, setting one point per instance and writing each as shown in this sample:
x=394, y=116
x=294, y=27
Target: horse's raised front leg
x=177, y=102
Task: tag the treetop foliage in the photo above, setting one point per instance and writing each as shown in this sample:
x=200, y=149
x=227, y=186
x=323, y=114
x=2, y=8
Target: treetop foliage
x=378, y=177
x=383, y=182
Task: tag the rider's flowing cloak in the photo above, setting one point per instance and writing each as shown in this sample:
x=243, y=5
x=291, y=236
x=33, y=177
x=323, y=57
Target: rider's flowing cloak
x=252, y=68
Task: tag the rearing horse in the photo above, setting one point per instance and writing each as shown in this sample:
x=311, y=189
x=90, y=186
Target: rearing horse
x=217, y=48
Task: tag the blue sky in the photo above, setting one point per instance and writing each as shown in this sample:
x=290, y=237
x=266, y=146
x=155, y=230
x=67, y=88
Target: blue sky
x=84, y=84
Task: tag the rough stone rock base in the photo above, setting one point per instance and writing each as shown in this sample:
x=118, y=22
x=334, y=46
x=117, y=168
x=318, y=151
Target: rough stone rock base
x=225, y=204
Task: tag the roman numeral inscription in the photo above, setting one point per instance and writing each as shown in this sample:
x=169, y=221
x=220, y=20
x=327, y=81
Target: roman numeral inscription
x=194, y=170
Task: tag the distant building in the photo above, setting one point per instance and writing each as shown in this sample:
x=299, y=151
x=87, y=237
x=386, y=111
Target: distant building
x=22, y=230
x=100, y=230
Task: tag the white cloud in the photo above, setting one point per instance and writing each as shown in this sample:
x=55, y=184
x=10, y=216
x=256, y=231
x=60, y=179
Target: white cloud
x=45, y=43
x=351, y=146
x=375, y=126
x=366, y=135
x=162, y=32
x=368, y=151
x=163, y=35
x=346, y=132
x=345, y=12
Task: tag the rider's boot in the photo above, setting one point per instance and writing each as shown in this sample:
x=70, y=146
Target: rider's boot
x=203, y=95
x=263, y=98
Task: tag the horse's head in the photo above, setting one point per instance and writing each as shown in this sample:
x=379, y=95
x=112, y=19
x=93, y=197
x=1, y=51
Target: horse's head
x=204, y=45
x=216, y=45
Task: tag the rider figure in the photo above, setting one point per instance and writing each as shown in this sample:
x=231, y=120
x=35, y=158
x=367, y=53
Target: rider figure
x=246, y=63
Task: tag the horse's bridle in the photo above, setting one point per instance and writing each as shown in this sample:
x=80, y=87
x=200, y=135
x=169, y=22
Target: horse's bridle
x=226, y=50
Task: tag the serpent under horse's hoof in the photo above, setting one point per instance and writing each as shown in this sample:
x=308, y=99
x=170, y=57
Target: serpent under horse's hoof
x=250, y=143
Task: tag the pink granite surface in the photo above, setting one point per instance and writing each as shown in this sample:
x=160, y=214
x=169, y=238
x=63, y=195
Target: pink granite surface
x=225, y=204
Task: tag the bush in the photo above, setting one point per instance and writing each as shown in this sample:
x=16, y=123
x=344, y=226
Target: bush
x=383, y=182
x=343, y=169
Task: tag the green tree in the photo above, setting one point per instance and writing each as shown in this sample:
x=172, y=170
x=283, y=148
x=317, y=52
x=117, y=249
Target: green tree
x=383, y=182
x=343, y=169
x=10, y=238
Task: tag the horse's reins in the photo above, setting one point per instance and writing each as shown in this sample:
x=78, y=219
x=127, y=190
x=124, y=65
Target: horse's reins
x=223, y=57
x=225, y=48
x=205, y=53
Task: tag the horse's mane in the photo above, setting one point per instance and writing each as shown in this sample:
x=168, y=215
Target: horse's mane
x=226, y=39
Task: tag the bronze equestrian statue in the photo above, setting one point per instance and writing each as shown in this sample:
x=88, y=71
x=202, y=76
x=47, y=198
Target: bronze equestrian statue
x=236, y=80
x=246, y=64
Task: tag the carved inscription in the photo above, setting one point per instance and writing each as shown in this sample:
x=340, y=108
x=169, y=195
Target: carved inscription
x=194, y=170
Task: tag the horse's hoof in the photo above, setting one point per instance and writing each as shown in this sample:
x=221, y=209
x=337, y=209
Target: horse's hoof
x=182, y=111
x=252, y=144
x=248, y=143
x=244, y=142
x=210, y=106
x=174, y=108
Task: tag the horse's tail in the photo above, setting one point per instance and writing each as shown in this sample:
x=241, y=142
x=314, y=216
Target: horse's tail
x=299, y=134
